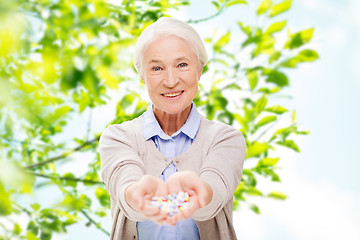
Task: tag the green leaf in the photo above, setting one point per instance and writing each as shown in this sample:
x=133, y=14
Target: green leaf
x=279, y=78
x=267, y=162
x=300, y=38
x=233, y=2
x=71, y=78
x=265, y=44
x=283, y=133
x=266, y=120
x=303, y=132
x=103, y=197
x=91, y=176
x=233, y=86
x=61, y=112
x=280, y=8
x=124, y=103
x=5, y=203
x=253, y=79
x=75, y=203
x=251, y=191
x=32, y=228
x=306, y=55
x=226, y=117
x=276, y=109
x=216, y=4
x=35, y=206
x=17, y=229
x=70, y=183
x=221, y=102
x=274, y=56
x=249, y=178
x=290, y=144
x=31, y=236
x=293, y=116
x=277, y=195
x=261, y=104
x=256, y=149
x=268, y=172
x=275, y=27
x=264, y=7
x=255, y=208
x=108, y=76
x=222, y=41
x=245, y=29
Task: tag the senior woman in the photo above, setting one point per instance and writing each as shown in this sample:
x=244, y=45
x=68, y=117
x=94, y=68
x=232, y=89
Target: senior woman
x=171, y=148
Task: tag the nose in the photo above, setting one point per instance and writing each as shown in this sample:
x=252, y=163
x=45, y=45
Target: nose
x=171, y=79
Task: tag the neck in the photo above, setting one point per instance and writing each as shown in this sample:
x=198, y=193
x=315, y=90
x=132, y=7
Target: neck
x=170, y=123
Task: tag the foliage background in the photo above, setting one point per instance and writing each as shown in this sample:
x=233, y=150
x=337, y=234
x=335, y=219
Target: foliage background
x=68, y=102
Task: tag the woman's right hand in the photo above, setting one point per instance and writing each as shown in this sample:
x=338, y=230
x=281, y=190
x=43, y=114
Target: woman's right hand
x=138, y=196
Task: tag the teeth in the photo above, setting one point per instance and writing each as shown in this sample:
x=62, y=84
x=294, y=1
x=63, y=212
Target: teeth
x=172, y=94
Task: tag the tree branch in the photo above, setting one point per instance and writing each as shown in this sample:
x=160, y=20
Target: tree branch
x=66, y=178
x=221, y=9
x=267, y=130
x=21, y=208
x=64, y=155
x=95, y=223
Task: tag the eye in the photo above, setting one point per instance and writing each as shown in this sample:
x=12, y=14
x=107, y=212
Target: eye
x=182, y=65
x=156, y=69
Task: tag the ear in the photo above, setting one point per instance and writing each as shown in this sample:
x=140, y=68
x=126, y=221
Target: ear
x=200, y=72
x=142, y=78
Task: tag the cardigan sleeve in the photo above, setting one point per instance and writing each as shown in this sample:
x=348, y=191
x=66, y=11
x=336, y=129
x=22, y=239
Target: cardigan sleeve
x=121, y=164
x=221, y=168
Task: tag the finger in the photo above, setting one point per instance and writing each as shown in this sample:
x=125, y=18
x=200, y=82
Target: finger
x=149, y=209
x=134, y=198
x=173, y=219
x=204, y=193
x=174, y=186
x=162, y=189
x=163, y=221
x=160, y=218
x=157, y=216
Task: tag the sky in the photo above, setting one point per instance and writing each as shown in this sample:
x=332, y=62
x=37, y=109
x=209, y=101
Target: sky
x=321, y=181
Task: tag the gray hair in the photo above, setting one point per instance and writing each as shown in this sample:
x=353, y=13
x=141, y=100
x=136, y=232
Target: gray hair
x=166, y=26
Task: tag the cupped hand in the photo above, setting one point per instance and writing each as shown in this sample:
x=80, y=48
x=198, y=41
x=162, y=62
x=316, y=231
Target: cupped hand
x=200, y=193
x=139, y=195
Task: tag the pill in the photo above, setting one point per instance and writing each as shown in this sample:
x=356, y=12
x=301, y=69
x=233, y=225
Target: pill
x=173, y=203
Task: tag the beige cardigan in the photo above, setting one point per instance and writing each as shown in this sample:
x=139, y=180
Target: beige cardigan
x=216, y=154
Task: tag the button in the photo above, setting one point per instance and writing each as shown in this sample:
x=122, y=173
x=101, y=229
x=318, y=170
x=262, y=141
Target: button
x=170, y=140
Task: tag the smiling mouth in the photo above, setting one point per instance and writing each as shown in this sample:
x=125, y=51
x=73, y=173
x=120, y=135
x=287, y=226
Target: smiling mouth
x=174, y=94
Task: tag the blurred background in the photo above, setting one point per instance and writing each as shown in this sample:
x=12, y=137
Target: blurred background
x=285, y=73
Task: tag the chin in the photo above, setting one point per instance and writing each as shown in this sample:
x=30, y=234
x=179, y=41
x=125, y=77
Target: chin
x=173, y=110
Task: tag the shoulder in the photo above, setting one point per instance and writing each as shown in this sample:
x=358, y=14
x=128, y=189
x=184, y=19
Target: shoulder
x=215, y=128
x=218, y=132
x=125, y=130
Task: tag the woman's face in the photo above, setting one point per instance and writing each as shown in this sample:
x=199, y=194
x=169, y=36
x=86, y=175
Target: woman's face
x=171, y=72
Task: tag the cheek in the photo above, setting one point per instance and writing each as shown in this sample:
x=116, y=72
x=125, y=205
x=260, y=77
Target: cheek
x=193, y=80
x=152, y=83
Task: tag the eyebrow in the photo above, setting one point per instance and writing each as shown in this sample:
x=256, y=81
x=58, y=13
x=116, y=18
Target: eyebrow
x=181, y=59
x=154, y=61
x=176, y=60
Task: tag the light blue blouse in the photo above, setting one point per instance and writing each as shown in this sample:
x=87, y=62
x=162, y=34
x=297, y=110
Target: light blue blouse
x=170, y=146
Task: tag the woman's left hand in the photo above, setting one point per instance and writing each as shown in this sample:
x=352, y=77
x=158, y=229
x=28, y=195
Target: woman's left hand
x=200, y=193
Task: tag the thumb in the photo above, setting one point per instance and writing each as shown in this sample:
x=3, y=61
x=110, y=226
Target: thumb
x=205, y=193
